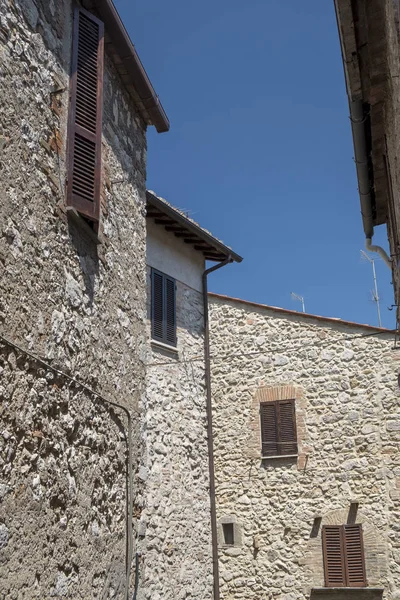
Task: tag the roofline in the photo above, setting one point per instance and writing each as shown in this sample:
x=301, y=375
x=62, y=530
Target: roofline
x=132, y=63
x=295, y=313
x=192, y=227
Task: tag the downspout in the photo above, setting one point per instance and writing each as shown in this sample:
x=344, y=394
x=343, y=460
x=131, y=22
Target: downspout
x=214, y=535
x=358, y=118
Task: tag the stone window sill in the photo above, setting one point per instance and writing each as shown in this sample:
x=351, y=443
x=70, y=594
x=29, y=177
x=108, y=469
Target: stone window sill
x=160, y=345
x=281, y=456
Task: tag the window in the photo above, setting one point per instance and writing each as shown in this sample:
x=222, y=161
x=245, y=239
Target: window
x=163, y=308
x=278, y=428
x=228, y=531
x=343, y=552
x=85, y=115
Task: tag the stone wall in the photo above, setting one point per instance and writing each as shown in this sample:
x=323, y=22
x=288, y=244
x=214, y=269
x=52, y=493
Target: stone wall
x=344, y=379
x=176, y=545
x=78, y=305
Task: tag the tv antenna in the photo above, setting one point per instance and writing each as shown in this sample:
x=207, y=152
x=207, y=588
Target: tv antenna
x=375, y=295
x=300, y=298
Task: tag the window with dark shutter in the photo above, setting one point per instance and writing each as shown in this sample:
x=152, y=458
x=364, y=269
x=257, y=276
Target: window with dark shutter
x=85, y=115
x=163, y=308
x=278, y=428
x=343, y=553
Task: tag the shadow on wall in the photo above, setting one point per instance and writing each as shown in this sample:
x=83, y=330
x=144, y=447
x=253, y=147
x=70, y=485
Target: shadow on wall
x=85, y=244
x=346, y=594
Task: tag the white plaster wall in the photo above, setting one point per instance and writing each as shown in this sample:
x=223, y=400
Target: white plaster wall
x=172, y=256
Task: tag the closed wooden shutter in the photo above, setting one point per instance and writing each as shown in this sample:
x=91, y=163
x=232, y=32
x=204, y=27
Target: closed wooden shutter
x=269, y=429
x=278, y=428
x=333, y=551
x=287, y=435
x=355, y=564
x=343, y=556
x=163, y=308
x=157, y=305
x=85, y=115
x=170, y=317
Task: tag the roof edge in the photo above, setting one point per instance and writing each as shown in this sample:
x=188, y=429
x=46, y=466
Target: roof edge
x=133, y=64
x=295, y=313
x=191, y=226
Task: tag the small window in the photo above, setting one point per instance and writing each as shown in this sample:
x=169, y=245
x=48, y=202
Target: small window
x=163, y=308
x=343, y=552
x=229, y=535
x=278, y=428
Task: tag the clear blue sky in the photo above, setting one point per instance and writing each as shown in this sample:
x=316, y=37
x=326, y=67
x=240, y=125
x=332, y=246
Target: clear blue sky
x=260, y=149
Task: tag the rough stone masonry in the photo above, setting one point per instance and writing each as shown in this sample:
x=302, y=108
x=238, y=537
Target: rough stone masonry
x=344, y=381
x=80, y=306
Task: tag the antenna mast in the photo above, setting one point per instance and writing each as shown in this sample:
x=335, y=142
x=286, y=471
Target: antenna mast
x=375, y=295
x=301, y=298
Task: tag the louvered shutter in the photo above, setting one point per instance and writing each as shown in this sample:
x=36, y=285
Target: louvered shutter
x=170, y=313
x=269, y=429
x=157, y=306
x=355, y=564
x=85, y=115
x=334, y=558
x=286, y=418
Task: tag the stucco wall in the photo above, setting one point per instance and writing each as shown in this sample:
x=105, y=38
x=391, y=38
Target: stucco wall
x=171, y=255
x=80, y=306
x=176, y=549
x=348, y=420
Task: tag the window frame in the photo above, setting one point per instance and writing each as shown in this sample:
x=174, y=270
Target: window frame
x=278, y=428
x=165, y=338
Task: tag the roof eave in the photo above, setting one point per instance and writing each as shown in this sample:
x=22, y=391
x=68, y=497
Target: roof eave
x=220, y=251
x=148, y=101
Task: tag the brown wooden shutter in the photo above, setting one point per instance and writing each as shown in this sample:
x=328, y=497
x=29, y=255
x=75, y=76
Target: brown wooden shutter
x=85, y=115
x=334, y=558
x=170, y=312
x=343, y=551
x=157, y=305
x=355, y=563
x=286, y=418
x=269, y=429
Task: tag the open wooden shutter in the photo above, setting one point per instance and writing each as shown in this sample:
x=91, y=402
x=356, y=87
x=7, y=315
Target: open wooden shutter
x=286, y=418
x=157, y=305
x=85, y=115
x=269, y=429
x=170, y=312
x=334, y=557
x=355, y=563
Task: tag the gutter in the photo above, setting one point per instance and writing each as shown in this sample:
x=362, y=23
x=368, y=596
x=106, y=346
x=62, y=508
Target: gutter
x=363, y=161
x=131, y=61
x=214, y=533
x=360, y=125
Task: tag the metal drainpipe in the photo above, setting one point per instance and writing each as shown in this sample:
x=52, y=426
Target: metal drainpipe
x=357, y=118
x=214, y=536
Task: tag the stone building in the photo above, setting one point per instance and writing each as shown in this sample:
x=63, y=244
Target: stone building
x=178, y=521
x=75, y=103
x=306, y=441
x=369, y=35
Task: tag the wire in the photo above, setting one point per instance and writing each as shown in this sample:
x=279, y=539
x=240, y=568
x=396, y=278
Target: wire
x=279, y=349
x=129, y=495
